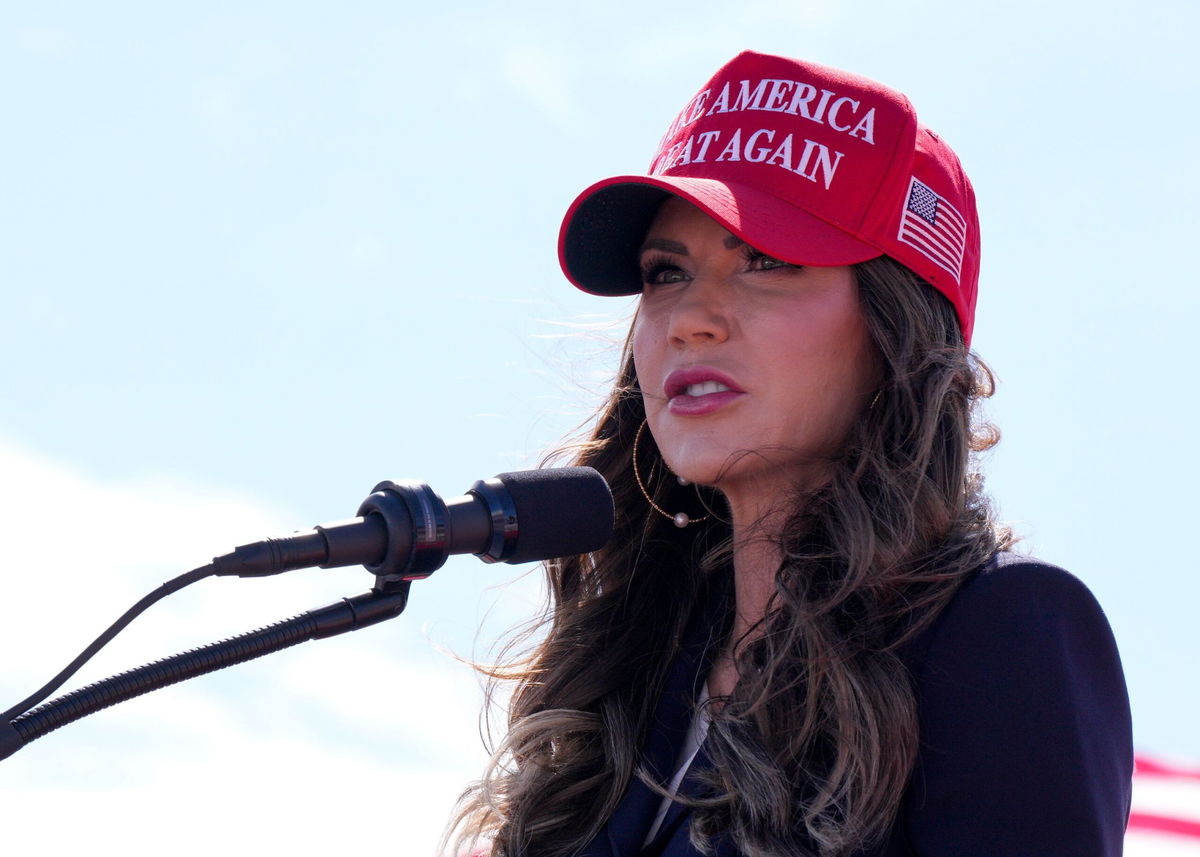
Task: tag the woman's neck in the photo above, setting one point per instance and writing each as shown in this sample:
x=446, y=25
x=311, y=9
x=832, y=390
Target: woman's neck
x=756, y=558
x=760, y=505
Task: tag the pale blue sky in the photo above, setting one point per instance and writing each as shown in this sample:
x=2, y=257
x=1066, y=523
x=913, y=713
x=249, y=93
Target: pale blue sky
x=259, y=256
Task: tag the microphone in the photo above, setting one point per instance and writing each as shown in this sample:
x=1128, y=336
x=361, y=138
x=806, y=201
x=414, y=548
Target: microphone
x=404, y=531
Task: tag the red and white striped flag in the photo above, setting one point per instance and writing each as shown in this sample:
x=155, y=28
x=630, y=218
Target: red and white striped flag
x=934, y=228
x=1165, y=820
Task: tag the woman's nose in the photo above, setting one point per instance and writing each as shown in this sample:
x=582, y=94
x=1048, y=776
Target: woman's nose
x=700, y=314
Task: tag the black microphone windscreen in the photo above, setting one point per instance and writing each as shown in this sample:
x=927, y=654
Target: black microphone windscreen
x=561, y=511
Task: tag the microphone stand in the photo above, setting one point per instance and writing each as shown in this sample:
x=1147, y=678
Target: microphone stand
x=402, y=536
x=350, y=614
x=404, y=532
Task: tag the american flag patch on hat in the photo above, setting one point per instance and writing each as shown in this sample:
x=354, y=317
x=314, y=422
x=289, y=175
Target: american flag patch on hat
x=934, y=228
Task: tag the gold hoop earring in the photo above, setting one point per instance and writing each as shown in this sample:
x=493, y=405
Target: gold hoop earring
x=679, y=519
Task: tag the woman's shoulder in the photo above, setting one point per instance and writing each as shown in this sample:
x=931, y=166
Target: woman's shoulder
x=1020, y=580
x=1012, y=603
x=1018, y=622
x=1024, y=718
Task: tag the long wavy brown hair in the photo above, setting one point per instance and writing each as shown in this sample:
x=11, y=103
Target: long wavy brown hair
x=815, y=746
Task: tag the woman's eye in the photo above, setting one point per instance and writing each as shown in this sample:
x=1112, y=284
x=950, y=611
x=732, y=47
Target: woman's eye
x=763, y=262
x=661, y=272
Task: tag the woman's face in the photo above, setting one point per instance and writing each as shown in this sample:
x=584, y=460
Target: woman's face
x=752, y=370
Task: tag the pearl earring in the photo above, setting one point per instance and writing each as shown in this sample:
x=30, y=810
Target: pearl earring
x=679, y=519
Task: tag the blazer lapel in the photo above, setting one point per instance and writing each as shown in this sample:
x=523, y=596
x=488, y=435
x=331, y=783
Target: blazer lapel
x=630, y=822
x=674, y=836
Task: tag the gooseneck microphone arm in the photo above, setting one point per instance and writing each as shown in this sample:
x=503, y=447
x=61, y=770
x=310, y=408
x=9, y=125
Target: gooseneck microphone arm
x=404, y=532
x=349, y=614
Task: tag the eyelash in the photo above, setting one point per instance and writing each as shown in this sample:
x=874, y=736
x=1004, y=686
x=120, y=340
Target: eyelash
x=653, y=266
x=753, y=256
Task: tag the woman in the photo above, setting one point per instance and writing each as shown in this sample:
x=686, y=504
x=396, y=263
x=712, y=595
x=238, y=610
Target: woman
x=821, y=645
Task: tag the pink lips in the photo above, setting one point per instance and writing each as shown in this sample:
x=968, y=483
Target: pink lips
x=681, y=403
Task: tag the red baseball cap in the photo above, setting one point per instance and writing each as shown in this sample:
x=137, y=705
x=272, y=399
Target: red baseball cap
x=809, y=164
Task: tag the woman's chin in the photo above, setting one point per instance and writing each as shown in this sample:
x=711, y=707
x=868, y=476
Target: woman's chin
x=697, y=466
x=718, y=473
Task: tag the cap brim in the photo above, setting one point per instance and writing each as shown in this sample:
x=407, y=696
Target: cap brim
x=606, y=224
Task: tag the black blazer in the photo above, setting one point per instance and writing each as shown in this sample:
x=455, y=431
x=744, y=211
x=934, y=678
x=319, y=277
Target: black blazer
x=1026, y=746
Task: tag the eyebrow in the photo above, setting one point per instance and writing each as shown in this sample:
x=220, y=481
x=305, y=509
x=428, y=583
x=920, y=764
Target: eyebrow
x=732, y=242
x=664, y=245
